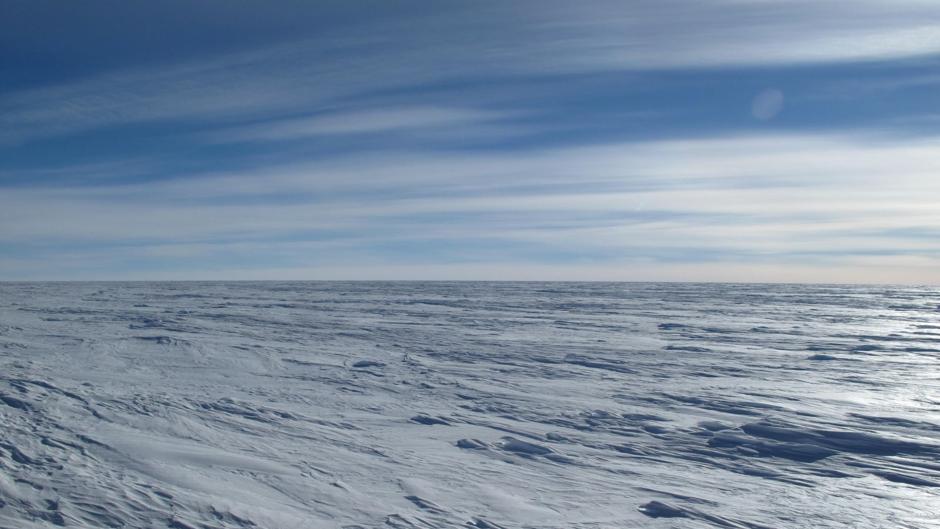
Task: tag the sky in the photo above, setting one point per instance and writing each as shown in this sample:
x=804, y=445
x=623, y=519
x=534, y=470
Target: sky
x=632, y=140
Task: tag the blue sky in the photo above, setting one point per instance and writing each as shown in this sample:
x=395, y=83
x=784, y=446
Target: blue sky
x=724, y=140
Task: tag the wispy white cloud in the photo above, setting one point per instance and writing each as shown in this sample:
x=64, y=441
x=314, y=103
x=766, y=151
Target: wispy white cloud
x=428, y=120
x=796, y=205
x=842, y=163
x=826, y=201
x=480, y=40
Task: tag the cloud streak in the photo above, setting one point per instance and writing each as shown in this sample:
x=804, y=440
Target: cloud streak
x=609, y=140
x=485, y=41
x=753, y=200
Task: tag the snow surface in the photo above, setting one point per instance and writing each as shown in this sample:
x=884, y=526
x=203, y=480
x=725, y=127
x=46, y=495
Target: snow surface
x=487, y=405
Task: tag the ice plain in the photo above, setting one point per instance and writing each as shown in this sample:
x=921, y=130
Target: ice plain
x=489, y=405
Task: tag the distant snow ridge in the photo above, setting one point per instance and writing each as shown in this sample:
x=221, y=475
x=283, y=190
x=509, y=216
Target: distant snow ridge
x=470, y=405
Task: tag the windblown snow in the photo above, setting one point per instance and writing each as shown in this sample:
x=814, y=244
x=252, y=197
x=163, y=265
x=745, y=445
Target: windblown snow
x=480, y=405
